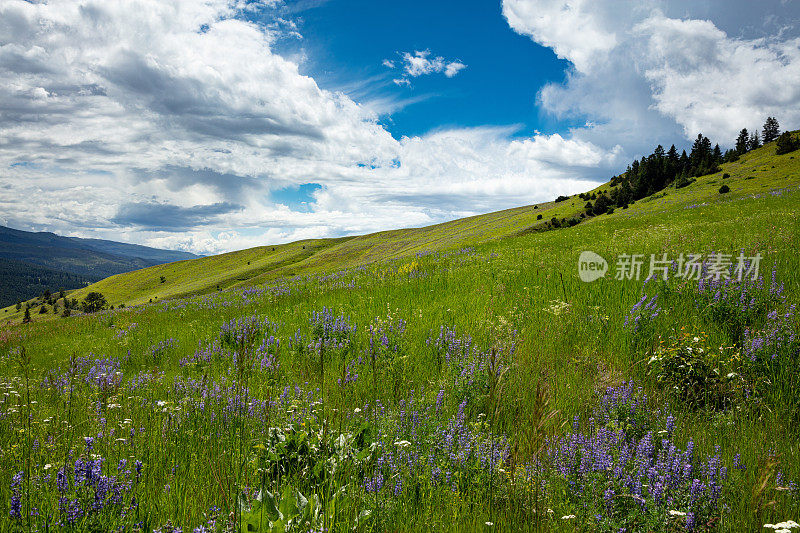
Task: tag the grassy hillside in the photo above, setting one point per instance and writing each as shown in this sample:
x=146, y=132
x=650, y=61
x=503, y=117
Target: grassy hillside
x=453, y=378
x=753, y=173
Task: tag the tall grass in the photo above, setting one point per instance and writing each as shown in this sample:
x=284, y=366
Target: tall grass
x=415, y=394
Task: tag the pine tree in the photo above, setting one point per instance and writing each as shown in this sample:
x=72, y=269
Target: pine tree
x=754, y=141
x=27, y=317
x=717, y=155
x=19, y=305
x=771, y=130
x=786, y=143
x=742, y=142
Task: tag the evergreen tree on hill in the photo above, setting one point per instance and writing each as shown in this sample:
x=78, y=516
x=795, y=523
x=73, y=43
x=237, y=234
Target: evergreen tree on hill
x=754, y=141
x=742, y=142
x=786, y=143
x=770, y=130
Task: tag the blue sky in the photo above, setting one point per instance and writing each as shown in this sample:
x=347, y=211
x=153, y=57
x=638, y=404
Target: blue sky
x=347, y=41
x=223, y=124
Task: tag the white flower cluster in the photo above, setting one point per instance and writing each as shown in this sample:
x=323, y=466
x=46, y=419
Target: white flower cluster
x=783, y=527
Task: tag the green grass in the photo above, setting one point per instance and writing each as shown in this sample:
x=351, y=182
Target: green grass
x=495, y=278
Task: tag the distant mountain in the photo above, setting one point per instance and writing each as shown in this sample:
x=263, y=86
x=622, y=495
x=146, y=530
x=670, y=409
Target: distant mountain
x=87, y=260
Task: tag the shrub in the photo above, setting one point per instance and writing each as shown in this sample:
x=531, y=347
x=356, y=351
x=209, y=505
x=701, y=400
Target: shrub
x=786, y=143
x=562, y=199
x=697, y=372
x=726, y=176
x=93, y=302
x=539, y=217
x=724, y=189
x=682, y=182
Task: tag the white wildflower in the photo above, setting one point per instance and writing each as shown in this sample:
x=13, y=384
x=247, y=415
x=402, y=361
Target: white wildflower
x=402, y=443
x=357, y=410
x=676, y=513
x=568, y=517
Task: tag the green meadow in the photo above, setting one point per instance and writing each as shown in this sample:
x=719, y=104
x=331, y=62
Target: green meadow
x=457, y=377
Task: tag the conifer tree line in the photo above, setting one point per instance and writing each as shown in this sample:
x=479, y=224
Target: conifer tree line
x=663, y=168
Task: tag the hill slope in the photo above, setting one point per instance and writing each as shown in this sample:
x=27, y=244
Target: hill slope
x=68, y=262
x=497, y=346
x=755, y=172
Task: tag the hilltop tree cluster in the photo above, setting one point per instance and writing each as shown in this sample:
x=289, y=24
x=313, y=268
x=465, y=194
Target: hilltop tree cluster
x=663, y=168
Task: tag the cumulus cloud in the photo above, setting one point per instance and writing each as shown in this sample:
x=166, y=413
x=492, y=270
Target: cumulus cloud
x=658, y=71
x=174, y=123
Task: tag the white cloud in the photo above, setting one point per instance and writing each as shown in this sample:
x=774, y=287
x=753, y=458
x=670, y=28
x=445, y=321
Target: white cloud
x=421, y=63
x=707, y=81
x=579, y=30
x=653, y=72
x=454, y=68
x=170, y=124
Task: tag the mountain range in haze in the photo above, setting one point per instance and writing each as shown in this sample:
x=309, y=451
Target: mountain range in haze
x=31, y=262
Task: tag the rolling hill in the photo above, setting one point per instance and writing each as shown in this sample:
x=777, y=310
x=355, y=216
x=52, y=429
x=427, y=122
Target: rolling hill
x=476, y=335
x=755, y=172
x=33, y=262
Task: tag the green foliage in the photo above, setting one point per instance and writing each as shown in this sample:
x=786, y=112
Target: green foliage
x=93, y=302
x=724, y=189
x=291, y=511
x=697, y=372
x=771, y=129
x=21, y=281
x=786, y=143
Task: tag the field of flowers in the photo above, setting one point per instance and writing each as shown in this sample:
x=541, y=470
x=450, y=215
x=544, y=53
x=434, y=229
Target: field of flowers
x=482, y=389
